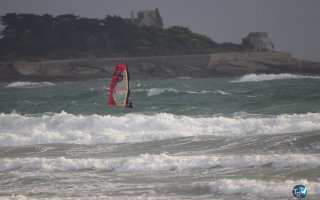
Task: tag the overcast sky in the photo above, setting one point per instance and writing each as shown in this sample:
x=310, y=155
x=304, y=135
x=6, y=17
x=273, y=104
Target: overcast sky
x=292, y=25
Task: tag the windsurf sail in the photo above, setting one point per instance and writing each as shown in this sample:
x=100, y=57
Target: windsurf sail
x=119, y=87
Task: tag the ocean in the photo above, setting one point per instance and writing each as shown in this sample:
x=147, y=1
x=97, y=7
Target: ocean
x=250, y=137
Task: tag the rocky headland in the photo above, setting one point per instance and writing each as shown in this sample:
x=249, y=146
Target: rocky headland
x=205, y=65
x=32, y=46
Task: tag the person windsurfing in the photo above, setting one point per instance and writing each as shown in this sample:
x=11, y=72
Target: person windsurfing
x=129, y=104
x=129, y=101
x=119, y=92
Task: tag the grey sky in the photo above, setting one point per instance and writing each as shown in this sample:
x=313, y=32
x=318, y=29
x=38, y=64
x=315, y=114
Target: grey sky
x=292, y=25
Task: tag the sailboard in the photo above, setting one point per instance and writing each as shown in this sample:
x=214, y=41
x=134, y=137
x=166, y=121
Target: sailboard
x=119, y=93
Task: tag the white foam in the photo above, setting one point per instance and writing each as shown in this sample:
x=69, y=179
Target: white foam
x=29, y=84
x=260, y=188
x=199, y=92
x=160, y=162
x=222, y=92
x=269, y=77
x=90, y=197
x=165, y=162
x=206, y=91
x=157, y=91
x=62, y=127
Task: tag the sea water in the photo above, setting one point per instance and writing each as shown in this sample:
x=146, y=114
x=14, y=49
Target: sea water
x=250, y=137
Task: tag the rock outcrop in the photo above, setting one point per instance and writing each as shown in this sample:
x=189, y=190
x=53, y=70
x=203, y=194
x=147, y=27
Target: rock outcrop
x=206, y=65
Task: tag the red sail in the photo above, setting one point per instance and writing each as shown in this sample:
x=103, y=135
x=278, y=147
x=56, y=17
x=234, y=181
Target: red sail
x=119, y=87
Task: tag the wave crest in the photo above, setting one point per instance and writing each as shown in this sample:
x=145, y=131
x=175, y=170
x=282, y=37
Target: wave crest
x=260, y=188
x=157, y=91
x=29, y=84
x=62, y=127
x=269, y=77
x=161, y=162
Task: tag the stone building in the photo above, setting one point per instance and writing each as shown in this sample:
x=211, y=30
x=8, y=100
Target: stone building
x=147, y=18
x=257, y=42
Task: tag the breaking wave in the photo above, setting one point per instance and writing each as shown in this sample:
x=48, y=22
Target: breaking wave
x=29, y=84
x=158, y=91
x=261, y=188
x=269, y=77
x=160, y=162
x=17, y=130
x=206, y=91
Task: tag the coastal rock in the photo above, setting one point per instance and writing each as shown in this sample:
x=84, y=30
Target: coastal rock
x=205, y=65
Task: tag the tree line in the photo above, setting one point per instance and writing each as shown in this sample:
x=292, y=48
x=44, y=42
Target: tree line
x=34, y=37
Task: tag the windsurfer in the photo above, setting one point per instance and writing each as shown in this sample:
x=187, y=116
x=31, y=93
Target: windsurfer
x=129, y=104
x=119, y=78
x=119, y=93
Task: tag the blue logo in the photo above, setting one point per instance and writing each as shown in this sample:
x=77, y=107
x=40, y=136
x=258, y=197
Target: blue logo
x=299, y=191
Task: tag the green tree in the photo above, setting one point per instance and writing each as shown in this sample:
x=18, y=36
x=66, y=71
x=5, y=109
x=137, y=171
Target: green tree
x=29, y=36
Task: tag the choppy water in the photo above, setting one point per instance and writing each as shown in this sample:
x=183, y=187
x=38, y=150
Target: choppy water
x=251, y=137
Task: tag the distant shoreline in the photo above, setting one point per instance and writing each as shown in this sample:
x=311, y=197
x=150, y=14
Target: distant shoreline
x=159, y=67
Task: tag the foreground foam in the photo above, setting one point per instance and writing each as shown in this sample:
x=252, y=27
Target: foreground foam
x=90, y=197
x=269, y=77
x=234, y=188
x=29, y=84
x=162, y=162
x=17, y=130
x=259, y=188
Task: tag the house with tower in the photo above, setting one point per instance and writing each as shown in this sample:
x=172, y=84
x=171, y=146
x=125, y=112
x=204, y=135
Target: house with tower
x=147, y=18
